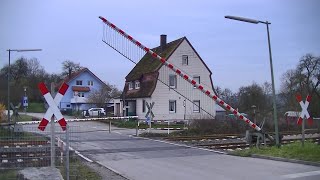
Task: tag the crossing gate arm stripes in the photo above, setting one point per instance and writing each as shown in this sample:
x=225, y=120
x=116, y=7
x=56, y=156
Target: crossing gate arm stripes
x=219, y=101
x=53, y=106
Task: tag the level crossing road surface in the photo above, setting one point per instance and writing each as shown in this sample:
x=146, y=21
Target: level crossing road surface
x=144, y=159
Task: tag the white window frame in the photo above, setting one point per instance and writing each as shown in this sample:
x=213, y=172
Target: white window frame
x=90, y=83
x=174, y=86
x=130, y=86
x=185, y=60
x=174, y=106
x=137, y=85
x=196, y=106
x=195, y=78
x=79, y=82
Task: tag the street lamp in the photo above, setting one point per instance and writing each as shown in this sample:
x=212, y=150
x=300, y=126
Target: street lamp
x=14, y=50
x=254, y=113
x=271, y=67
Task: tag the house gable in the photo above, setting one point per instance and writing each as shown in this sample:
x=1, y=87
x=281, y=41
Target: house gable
x=89, y=83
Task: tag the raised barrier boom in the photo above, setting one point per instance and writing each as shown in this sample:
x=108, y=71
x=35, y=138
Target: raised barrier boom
x=184, y=76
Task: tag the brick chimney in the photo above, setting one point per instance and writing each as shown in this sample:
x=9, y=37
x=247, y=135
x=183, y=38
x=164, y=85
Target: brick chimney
x=163, y=41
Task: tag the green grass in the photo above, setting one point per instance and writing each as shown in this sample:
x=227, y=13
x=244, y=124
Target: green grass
x=36, y=108
x=8, y=174
x=132, y=125
x=310, y=151
x=79, y=170
x=9, y=134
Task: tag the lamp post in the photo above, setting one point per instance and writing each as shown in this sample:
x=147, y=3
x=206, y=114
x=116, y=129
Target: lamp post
x=271, y=68
x=254, y=113
x=14, y=50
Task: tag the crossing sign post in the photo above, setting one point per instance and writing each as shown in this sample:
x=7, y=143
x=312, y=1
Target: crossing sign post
x=53, y=106
x=52, y=113
x=149, y=114
x=304, y=114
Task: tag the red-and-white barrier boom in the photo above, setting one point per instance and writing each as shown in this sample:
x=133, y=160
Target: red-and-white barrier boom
x=184, y=76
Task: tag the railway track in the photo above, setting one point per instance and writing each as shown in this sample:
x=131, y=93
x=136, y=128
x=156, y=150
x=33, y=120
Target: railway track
x=230, y=146
x=231, y=142
x=24, y=153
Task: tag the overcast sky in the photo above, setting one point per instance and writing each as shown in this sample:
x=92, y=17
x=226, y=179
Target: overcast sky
x=236, y=52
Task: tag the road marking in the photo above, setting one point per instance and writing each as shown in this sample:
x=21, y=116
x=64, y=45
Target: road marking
x=304, y=174
x=84, y=157
x=117, y=132
x=111, y=169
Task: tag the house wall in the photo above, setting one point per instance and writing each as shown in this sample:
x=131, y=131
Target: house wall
x=160, y=96
x=85, y=77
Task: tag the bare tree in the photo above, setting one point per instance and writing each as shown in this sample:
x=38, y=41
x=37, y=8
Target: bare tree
x=305, y=80
x=103, y=95
x=69, y=67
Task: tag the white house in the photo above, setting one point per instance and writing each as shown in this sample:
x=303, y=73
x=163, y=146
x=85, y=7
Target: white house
x=144, y=84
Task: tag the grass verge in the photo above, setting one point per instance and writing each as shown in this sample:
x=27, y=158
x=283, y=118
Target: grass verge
x=36, y=108
x=8, y=174
x=132, y=125
x=78, y=170
x=310, y=151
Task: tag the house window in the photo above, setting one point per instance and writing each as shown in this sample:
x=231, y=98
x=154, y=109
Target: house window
x=68, y=105
x=196, y=106
x=172, y=81
x=196, y=79
x=130, y=86
x=90, y=83
x=81, y=94
x=172, y=106
x=143, y=105
x=137, y=85
x=79, y=82
x=184, y=59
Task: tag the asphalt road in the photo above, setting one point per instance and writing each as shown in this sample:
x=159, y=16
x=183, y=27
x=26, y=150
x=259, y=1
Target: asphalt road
x=145, y=159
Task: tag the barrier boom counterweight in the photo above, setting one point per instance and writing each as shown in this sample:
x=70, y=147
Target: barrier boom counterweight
x=219, y=101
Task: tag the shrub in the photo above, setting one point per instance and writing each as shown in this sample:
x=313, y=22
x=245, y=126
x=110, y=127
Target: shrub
x=2, y=114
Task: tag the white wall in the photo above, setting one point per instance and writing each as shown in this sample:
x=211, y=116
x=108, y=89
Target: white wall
x=195, y=67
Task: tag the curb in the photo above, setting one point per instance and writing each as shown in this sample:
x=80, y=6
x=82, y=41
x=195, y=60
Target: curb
x=286, y=160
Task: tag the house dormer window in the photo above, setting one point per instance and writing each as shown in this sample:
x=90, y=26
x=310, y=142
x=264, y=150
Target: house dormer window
x=130, y=85
x=185, y=60
x=79, y=82
x=90, y=83
x=137, y=85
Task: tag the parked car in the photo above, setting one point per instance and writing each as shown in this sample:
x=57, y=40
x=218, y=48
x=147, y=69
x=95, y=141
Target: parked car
x=94, y=112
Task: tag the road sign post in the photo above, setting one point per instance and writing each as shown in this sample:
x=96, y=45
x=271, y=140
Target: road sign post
x=304, y=114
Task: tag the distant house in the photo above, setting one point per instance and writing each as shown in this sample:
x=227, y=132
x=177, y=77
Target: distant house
x=142, y=86
x=81, y=84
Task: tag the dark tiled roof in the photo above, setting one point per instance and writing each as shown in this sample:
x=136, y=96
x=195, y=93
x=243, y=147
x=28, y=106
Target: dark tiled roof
x=149, y=64
x=147, y=85
x=146, y=71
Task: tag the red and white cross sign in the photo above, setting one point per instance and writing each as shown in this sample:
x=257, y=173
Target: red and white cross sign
x=53, y=106
x=304, y=112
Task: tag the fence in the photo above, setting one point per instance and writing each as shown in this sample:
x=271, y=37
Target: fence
x=26, y=146
x=161, y=125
